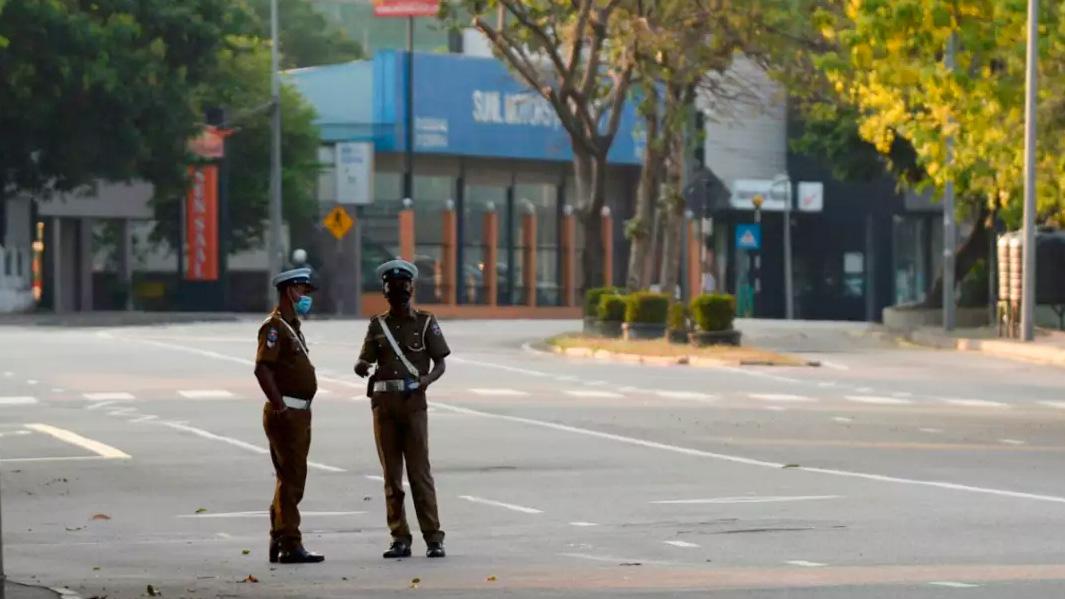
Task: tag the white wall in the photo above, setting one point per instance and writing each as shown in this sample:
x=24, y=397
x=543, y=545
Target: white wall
x=16, y=258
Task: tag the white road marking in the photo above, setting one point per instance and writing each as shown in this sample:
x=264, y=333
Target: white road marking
x=933, y=431
x=238, y=443
x=805, y=564
x=259, y=514
x=101, y=449
x=9, y=374
x=685, y=395
x=102, y=404
x=113, y=396
x=499, y=392
x=507, y=506
x=746, y=499
x=224, y=535
x=780, y=397
x=1011, y=441
x=567, y=378
x=671, y=448
x=594, y=394
x=758, y=374
x=324, y=392
x=78, y=458
x=15, y=433
x=583, y=524
x=596, y=383
x=17, y=400
x=143, y=419
x=31, y=381
x=206, y=394
x=58, y=390
x=826, y=384
x=842, y=419
x=682, y=544
x=776, y=408
x=751, y=461
x=1054, y=404
x=524, y=371
x=878, y=400
x=974, y=403
x=122, y=412
x=381, y=479
x=835, y=365
x=902, y=394
x=864, y=389
x=954, y=585
x=616, y=560
x=626, y=389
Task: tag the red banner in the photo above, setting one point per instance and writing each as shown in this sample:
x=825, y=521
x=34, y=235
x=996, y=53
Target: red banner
x=210, y=143
x=201, y=224
x=405, y=8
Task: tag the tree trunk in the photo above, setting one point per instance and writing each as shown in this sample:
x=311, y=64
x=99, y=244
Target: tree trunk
x=639, y=230
x=673, y=215
x=591, y=182
x=972, y=249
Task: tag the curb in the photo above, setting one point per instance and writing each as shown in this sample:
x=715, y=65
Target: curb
x=694, y=361
x=1012, y=350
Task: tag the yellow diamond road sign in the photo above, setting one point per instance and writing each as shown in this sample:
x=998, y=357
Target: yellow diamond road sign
x=338, y=222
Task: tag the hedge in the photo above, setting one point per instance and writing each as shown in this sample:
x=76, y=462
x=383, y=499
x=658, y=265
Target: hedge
x=611, y=308
x=645, y=307
x=714, y=311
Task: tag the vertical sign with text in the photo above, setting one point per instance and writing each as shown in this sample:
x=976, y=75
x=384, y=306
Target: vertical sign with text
x=201, y=224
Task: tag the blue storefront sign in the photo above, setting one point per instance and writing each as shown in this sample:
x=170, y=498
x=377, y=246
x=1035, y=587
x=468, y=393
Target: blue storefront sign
x=474, y=106
x=749, y=237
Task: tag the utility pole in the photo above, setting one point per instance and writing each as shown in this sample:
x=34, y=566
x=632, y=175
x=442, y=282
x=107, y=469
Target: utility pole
x=408, y=160
x=948, y=219
x=1031, y=86
x=789, y=296
x=275, y=250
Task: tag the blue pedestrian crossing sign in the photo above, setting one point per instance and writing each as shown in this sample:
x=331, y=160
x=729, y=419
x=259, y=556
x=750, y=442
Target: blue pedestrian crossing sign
x=749, y=237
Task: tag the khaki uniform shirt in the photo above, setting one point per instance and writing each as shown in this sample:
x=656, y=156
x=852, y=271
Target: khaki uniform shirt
x=418, y=335
x=286, y=355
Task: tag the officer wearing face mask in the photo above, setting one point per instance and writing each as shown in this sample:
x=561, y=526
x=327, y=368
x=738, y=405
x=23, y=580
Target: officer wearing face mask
x=403, y=343
x=286, y=376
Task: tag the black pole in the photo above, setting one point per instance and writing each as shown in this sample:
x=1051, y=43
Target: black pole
x=508, y=237
x=460, y=237
x=560, y=215
x=408, y=170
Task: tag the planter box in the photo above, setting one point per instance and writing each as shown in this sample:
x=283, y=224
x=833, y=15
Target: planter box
x=635, y=331
x=591, y=326
x=705, y=338
x=609, y=328
x=679, y=337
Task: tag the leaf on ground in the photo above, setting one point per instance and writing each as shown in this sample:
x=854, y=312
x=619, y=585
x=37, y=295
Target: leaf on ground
x=367, y=498
x=792, y=466
x=415, y=581
x=95, y=568
x=246, y=552
x=100, y=517
x=491, y=579
x=75, y=529
x=250, y=578
x=201, y=510
x=152, y=592
x=630, y=564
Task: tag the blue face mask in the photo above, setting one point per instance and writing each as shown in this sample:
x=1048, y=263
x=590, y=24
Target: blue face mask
x=303, y=306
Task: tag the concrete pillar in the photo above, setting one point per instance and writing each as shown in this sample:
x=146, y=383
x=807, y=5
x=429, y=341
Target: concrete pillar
x=450, y=256
x=56, y=250
x=406, y=234
x=528, y=258
x=84, y=264
x=568, y=243
x=125, y=260
x=608, y=247
x=694, y=259
x=491, y=256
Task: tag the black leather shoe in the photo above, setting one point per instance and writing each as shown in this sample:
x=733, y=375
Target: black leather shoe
x=275, y=550
x=397, y=550
x=300, y=555
x=435, y=550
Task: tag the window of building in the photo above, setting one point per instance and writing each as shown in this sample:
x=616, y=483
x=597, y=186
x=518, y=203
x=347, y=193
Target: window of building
x=479, y=200
x=542, y=200
x=431, y=196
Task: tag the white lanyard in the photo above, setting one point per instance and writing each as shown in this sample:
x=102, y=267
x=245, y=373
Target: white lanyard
x=395, y=346
x=296, y=336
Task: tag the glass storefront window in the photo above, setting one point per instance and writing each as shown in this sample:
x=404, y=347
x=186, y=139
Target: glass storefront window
x=542, y=199
x=380, y=235
x=431, y=195
x=476, y=204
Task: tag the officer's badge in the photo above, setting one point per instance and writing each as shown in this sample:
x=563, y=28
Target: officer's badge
x=436, y=329
x=271, y=338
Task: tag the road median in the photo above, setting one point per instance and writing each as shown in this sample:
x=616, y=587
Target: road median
x=664, y=353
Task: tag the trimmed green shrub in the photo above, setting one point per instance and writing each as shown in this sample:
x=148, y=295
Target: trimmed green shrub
x=678, y=317
x=714, y=311
x=645, y=307
x=611, y=308
x=592, y=296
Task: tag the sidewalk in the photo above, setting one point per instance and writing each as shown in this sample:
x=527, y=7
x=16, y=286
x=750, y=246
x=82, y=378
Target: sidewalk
x=1048, y=347
x=14, y=590
x=116, y=318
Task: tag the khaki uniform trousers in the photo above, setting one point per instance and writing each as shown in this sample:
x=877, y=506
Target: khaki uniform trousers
x=289, y=433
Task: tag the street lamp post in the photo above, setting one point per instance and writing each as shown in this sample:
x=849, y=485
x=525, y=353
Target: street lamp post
x=948, y=220
x=789, y=300
x=1031, y=86
x=275, y=249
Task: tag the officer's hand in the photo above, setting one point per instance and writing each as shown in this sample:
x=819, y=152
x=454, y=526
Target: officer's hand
x=362, y=368
x=423, y=382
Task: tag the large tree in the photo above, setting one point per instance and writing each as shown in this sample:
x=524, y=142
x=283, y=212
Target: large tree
x=308, y=38
x=566, y=52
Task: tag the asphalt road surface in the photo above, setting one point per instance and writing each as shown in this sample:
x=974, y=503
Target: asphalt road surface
x=135, y=456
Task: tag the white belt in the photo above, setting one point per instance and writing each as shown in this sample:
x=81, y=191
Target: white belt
x=394, y=385
x=296, y=404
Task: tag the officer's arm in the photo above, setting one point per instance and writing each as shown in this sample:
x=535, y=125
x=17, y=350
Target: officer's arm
x=265, y=375
x=368, y=355
x=434, y=374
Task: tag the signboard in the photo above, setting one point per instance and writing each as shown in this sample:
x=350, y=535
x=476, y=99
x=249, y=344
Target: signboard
x=210, y=144
x=201, y=224
x=749, y=237
x=338, y=222
x=405, y=8
x=744, y=190
x=354, y=172
x=811, y=196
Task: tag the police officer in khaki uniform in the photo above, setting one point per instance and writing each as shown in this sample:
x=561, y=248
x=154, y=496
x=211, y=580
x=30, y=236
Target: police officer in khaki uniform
x=286, y=375
x=402, y=343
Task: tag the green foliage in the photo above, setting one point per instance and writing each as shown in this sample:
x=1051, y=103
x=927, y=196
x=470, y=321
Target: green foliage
x=646, y=308
x=974, y=286
x=592, y=297
x=307, y=37
x=678, y=317
x=611, y=308
x=714, y=311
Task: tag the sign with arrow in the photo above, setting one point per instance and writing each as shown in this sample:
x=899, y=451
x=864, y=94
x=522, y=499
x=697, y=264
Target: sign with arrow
x=338, y=222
